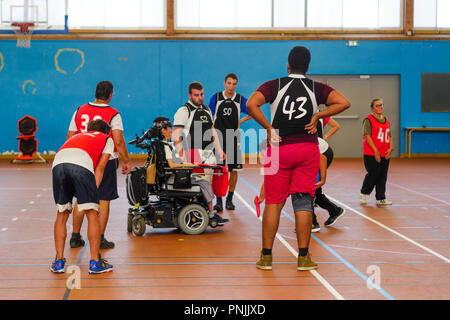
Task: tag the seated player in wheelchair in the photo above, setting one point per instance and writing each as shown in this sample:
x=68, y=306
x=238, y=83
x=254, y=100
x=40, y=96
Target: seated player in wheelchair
x=166, y=193
x=174, y=161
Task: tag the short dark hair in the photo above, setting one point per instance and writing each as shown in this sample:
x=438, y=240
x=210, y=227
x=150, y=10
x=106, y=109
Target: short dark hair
x=299, y=59
x=99, y=125
x=162, y=122
x=195, y=85
x=373, y=101
x=232, y=76
x=104, y=90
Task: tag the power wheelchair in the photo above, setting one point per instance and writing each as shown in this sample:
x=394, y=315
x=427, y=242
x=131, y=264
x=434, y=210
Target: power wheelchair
x=164, y=197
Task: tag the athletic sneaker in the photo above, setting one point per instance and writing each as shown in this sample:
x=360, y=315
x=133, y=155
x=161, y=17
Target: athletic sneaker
x=265, y=262
x=76, y=241
x=100, y=266
x=105, y=244
x=333, y=218
x=362, y=198
x=384, y=202
x=58, y=266
x=229, y=205
x=220, y=221
x=316, y=225
x=305, y=263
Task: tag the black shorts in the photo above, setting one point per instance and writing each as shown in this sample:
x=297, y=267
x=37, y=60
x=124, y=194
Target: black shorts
x=71, y=180
x=108, y=187
x=234, y=154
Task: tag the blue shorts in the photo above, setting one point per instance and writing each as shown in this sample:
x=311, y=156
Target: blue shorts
x=108, y=187
x=71, y=180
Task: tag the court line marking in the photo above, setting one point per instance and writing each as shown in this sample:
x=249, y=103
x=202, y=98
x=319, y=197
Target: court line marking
x=419, y=193
x=324, y=282
x=375, y=250
x=337, y=255
x=391, y=230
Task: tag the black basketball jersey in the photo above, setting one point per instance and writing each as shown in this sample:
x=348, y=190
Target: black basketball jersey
x=228, y=112
x=294, y=105
x=199, y=122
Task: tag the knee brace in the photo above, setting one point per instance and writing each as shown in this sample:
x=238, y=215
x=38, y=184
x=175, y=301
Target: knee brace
x=302, y=202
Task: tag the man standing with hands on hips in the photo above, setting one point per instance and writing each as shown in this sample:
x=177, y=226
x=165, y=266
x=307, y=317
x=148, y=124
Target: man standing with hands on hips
x=294, y=101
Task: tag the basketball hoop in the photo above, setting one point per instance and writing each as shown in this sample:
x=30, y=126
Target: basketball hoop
x=23, y=31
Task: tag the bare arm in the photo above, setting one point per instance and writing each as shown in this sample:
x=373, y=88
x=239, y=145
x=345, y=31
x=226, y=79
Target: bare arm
x=388, y=153
x=373, y=147
x=334, y=127
x=336, y=104
x=100, y=168
x=70, y=134
x=179, y=165
x=254, y=104
x=119, y=142
x=244, y=119
x=176, y=134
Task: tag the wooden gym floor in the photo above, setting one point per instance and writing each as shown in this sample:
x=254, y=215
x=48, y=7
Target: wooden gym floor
x=405, y=246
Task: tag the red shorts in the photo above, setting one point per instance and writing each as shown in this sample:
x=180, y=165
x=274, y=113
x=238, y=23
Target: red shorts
x=290, y=169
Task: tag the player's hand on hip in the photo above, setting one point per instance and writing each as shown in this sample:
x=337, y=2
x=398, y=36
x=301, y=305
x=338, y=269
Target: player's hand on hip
x=312, y=126
x=272, y=136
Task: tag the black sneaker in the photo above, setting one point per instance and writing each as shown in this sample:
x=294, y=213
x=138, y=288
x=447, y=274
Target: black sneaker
x=105, y=244
x=332, y=219
x=315, y=224
x=229, y=205
x=220, y=221
x=76, y=242
x=315, y=227
x=218, y=207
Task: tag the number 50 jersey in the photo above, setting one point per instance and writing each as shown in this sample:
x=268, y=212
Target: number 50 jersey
x=227, y=112
x=294, y=105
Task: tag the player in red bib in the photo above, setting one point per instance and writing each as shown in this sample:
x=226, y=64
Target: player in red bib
x=77, y=171
x=377, y=149
x=100, y=109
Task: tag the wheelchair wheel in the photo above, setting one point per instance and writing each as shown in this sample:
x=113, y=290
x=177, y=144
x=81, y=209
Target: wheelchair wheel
x=138, y=225
x=130, y=223
x=193, y=219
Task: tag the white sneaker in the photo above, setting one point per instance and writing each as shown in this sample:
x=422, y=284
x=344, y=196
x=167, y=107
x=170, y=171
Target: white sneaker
x=384, y=202
x=362, y=198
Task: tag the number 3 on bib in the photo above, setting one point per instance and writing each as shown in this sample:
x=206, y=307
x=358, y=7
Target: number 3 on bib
x=383, y=136
x=85, y=121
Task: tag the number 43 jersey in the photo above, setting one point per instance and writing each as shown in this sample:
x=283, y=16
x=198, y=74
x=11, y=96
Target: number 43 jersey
x=294, y=105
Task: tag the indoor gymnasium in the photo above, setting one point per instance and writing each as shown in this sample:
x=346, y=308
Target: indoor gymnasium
x=202, y=151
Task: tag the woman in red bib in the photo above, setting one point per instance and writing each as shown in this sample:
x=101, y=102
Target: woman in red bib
x=377, y=151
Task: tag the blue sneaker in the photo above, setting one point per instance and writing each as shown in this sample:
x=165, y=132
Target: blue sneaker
x=100, y=266
x=58, y=266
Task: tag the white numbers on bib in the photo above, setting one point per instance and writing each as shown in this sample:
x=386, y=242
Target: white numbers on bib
x=227, y=111
x=383, y=136
x=85, y=120
x=92, y=134
x=204, y=119
x=292, y=109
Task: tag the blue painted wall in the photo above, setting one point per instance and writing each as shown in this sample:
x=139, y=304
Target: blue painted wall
x=151, y=79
